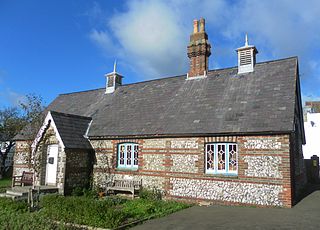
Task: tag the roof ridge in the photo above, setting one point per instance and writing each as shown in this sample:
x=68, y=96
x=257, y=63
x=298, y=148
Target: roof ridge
x=182, y=75
x=82, y=91
x=258, y=63
x=158, y=79
x=281, y=59
x=69, y=115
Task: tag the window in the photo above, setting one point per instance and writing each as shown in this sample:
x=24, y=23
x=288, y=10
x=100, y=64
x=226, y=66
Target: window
x=222, y=158
x=128, y=155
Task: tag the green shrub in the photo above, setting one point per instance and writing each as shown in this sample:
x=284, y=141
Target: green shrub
x=116, y=217
x=110, y=212
x=4, y=184
x=145, y=208
x=83, y=210
x=154, y=194
x=8, y=205
x=90, y=193
x=15, y=215
x=84, y=192
x=140, y=208
x=27, y=221
x=77, y=191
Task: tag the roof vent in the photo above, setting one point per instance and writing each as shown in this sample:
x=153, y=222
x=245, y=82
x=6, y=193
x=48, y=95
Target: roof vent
x=114, y=80
x=246, y=57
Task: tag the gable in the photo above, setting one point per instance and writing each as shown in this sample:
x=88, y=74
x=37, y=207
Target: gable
x=70, y=130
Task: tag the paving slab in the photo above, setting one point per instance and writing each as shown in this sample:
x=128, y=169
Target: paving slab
x=304, y=215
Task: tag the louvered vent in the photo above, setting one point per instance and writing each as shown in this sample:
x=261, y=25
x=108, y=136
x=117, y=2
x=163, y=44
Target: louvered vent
x=245, y=57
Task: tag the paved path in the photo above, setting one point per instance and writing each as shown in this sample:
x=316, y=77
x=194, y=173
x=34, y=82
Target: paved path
x=304, y=215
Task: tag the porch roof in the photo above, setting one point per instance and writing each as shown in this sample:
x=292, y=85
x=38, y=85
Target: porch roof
x=72, y=130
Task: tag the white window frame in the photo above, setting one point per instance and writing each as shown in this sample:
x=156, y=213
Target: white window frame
x=226, y=170
x=133, y=162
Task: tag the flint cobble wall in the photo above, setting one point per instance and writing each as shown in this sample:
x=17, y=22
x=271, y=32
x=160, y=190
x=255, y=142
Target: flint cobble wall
x=21, y=158
x=176, y=166
x=78, y=169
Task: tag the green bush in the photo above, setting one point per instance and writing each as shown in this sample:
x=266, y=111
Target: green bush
x=27, y=221
x=154, y=194
x=145, y=208
x=10, y=206
x=83, y=210
x=77, y=191
x=116, y=217
x=15, y=215
x=139, y=208
x=4, y=184
x=110, y=212
x=84, y=192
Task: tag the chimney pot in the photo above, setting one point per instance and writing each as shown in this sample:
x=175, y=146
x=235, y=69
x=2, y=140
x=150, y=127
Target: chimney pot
x=202, y=25
x=195, y=26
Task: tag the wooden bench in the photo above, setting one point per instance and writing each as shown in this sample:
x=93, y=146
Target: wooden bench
x=25, y=179
x=124, y=185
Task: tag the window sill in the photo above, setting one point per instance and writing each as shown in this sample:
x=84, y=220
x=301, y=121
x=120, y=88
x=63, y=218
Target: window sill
x=221, y=175
x=127, y=169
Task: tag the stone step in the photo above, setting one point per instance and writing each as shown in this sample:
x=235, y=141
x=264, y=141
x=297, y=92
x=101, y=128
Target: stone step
x=21, y=193
x=3, y=195
x=16, y=193
x=13, y=197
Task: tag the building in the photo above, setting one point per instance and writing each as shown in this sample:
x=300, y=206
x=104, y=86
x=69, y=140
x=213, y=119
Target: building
x=312, y=129
x=9, y=159
x=230, y=135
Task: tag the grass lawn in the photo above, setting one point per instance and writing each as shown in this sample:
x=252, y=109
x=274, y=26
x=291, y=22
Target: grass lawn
x=4, y=184
x=83, y=210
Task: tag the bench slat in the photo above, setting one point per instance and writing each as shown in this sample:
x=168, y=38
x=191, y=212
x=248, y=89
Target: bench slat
x=124, y=185
x=25, y=179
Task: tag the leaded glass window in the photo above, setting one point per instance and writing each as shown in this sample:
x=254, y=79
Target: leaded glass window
x=135, y=155
x=128, y=155
x=221, y=158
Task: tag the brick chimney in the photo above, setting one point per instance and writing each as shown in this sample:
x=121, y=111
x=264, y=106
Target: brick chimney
x=114, y=80
x=198, y=50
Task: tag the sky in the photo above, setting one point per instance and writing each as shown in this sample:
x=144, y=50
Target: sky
x=54, y=47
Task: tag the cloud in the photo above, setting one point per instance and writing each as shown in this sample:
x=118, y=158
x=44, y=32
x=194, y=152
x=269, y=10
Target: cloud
x=11, y=98
x=104, y=41
x=151, y=36
x=281, y=27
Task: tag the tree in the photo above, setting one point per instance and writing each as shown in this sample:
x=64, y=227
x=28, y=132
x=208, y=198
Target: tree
x=14, y=119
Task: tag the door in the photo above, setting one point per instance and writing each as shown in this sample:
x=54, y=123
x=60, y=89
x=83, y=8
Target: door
x=51, y=168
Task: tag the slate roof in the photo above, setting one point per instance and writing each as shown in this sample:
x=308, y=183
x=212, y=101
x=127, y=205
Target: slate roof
x=72, y=129
x=223, y=103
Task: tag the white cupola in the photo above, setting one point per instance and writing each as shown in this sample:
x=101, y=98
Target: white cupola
x=114, y=80
x=246, y=57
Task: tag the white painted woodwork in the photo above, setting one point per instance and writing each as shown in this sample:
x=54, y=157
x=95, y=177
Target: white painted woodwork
x=52, y=166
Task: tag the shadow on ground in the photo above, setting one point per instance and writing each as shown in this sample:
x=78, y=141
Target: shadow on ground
x=310, y=188
x=304, y=215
